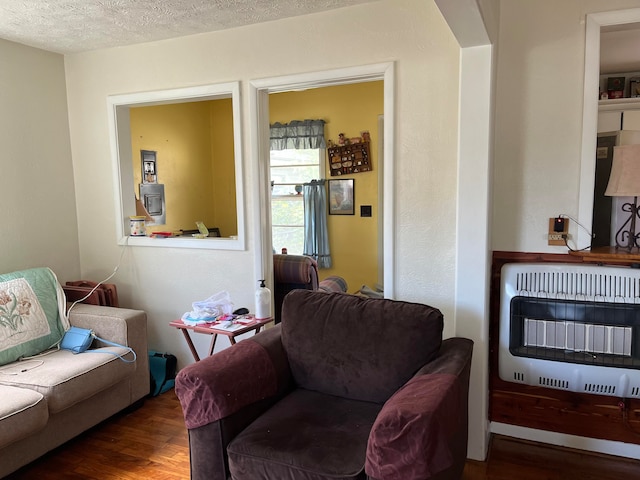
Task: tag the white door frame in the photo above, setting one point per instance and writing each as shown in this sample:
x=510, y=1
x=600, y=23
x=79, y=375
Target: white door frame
x=595, y=21
x=259, y=91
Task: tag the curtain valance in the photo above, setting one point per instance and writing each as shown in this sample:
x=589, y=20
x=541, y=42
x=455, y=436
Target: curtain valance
x=298, y=134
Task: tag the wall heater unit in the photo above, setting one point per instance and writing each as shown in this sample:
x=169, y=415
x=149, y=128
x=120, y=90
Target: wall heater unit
x=571, y=327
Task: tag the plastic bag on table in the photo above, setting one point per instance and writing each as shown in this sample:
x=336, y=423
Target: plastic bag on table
x=207, y=310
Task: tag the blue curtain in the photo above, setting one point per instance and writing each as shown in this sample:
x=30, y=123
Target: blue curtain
x=316, y=235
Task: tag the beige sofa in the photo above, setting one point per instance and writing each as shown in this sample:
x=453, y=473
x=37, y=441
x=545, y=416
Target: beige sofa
x=50, y=399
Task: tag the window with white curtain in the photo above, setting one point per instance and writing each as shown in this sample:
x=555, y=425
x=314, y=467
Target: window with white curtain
x=290, y=169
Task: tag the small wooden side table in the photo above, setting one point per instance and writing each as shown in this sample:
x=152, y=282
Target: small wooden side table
x=215, y=329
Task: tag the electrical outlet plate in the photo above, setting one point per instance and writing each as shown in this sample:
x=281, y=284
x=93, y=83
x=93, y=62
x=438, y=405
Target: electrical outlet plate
x=556, y=238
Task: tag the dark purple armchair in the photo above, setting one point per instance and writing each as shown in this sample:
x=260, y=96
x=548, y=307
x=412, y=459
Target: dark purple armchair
x=294, y=272
x=344, y=388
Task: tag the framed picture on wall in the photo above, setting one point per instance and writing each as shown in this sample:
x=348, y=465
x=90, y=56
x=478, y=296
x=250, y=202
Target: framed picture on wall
x=341, y=197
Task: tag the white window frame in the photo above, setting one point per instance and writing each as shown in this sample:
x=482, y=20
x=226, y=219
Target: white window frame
x=118, y=111
x=321, y=156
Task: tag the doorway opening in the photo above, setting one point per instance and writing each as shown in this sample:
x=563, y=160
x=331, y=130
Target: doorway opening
x=260, y=103
x=596, y=22
x=343, y=120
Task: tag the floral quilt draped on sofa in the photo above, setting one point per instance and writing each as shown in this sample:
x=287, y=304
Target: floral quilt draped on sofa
x=31, y=313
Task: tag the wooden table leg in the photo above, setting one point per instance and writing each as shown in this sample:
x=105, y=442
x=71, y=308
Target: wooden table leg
x=187, y=337
x=232, y=338
x=214, y=337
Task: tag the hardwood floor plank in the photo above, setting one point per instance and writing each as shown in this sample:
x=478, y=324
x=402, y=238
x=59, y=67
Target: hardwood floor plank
x=511, y=458
x=152, y=442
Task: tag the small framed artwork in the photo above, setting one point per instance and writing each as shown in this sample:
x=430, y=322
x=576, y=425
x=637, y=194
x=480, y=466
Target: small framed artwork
x=341, y=197
x=615, y=87
x=149, y=170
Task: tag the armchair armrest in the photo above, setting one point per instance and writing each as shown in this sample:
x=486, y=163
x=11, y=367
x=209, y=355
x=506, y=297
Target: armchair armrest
x=221, y=394
x=117, y=325
x=421, y=430
x=295, y=269
x=120, y=325
x=334, y=283
x=223, y=384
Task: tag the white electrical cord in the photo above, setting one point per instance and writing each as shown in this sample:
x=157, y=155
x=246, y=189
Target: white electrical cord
x=56, y=346
x=22, y=367
x=115, y=270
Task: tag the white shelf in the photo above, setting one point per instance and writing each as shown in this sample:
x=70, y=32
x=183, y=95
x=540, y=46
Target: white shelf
x=619, y=104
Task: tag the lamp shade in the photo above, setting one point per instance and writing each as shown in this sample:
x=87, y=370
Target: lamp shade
x=625, y=172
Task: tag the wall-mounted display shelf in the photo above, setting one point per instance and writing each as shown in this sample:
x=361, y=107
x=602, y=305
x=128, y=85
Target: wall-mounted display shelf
x=619, y=86
x=347, y=159
x=619, y=104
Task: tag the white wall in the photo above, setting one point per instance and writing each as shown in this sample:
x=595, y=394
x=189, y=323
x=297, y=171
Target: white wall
x=539, y=118
x=165, y=281
x=537, y=143
x=37, y=201
x=538, y=137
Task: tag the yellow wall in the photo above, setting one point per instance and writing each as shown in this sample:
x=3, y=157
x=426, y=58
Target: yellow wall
x=188, y=137
x=347, y=109
x=222, y=154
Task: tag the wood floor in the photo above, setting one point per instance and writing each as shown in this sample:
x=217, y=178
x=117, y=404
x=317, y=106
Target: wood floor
x=147, y=443
x=151, y=443
x=513, y=459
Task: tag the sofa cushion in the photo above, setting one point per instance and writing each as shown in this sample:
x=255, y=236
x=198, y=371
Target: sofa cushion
x=306, y=436
x=30, y=319
x=22, y=412
x=65, y=378
x=370, y=347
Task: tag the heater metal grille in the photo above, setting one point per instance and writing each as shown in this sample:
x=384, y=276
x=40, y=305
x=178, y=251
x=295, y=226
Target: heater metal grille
x=577, y=337
x=623, y=286
x=571, y=327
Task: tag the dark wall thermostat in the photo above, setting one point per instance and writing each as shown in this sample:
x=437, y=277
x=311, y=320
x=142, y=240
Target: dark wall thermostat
x=365, y=210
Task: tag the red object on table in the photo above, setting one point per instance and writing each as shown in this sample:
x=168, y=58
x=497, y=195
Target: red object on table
x=215, y=329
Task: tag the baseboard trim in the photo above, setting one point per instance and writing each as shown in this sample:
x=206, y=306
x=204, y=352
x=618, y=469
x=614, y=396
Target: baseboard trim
x=608, y=447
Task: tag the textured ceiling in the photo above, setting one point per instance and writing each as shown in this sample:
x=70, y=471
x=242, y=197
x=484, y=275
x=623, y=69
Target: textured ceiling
x=67, y=26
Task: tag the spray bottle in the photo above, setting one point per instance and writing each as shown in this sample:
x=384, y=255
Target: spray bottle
x=263, y=301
